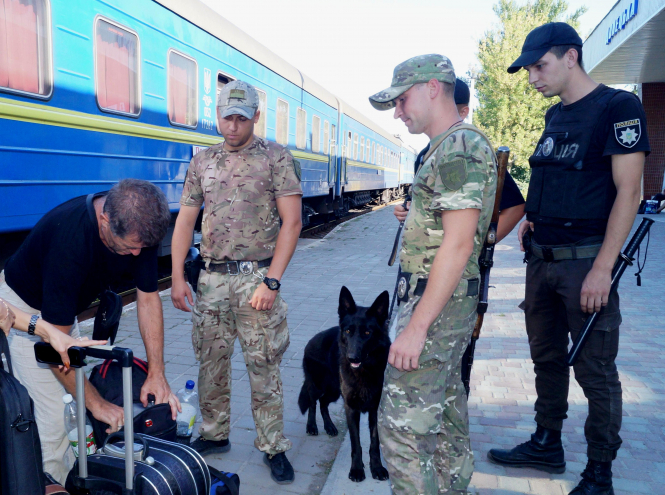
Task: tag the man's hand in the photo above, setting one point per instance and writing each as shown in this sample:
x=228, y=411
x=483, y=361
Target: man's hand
x=595, y=290
x=405, y=351
x=401, y=212
x=108, y=413
x=181, y=294
x=522, y=230
x=157, y=385
x=263, y=298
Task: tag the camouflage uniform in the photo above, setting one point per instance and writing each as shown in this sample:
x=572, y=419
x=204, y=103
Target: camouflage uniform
x=423, y=417
x=240, y=222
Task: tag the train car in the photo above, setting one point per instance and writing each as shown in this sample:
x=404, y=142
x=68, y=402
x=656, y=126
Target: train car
x=93, y=91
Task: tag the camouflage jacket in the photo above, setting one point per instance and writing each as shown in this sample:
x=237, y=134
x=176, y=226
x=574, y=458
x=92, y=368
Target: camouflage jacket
x=459, y=173
x=238, y=191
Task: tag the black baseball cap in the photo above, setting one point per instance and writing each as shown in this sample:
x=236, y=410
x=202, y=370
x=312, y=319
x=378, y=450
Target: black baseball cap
x=539, y=41
x=462, y=93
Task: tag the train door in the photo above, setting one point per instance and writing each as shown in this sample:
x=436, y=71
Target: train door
x=347, y=155
x=332, y=161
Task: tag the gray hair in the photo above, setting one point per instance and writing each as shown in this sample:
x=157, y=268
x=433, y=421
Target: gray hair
x=138, y=207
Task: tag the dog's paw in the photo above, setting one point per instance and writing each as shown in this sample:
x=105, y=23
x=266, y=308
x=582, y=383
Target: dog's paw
x=312, y=429
x=379, y=473
x=331, y=429
x=357, y=474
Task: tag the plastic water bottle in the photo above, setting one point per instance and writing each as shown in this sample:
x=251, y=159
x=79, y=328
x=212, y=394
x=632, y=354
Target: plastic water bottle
x=72, y=427
x=189, y=401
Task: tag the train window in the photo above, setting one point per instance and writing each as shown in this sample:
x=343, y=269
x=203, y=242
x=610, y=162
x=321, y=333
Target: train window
x=316, y=134
x=367, y=152
x=260, y=129
x=301, y=128
x=373, y=153
x=378, y=155
x=282, y=122
x=355, y=146
x=117, y=69
x=326, y=137
x=348, y=145
x=222, y=80
x=362, y=149
x=182, y=90
x=25, y=53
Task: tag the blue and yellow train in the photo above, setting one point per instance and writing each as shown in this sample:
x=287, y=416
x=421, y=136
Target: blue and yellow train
x=93, y=91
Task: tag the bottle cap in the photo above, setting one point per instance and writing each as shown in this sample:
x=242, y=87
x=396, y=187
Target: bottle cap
x=190, y=384
x=67, y=398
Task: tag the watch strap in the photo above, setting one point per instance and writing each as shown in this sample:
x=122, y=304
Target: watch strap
x=33, y=324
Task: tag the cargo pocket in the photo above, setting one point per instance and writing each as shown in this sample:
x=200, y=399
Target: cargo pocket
x=413, y=401
x=275, y=331
x=198, y=329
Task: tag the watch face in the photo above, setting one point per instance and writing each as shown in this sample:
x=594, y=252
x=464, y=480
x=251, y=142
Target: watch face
x=273, y=284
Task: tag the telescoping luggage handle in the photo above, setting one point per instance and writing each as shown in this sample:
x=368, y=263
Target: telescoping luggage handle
x=46, y=354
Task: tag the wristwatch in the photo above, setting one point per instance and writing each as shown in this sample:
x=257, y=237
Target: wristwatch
x=32, y=324
x=272, y=283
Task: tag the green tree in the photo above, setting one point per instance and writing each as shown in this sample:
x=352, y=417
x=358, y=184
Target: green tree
x=510, y=111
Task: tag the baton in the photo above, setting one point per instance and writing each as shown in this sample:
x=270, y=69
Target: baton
x=625, y=259
x=393, y=255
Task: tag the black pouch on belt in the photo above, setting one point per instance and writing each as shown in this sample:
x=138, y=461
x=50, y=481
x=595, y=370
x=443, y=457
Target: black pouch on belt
x=193, y=265
x=526, y=243
x=108, y=315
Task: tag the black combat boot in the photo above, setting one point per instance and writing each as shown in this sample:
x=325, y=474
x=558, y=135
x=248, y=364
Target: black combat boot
x=544, y=452
x=596, y=479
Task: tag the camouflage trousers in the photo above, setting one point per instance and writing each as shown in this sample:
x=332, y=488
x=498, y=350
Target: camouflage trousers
x=423, y=416
x=222, y=313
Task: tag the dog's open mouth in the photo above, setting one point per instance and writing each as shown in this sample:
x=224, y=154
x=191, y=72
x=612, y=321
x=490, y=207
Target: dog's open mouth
x=354, y=365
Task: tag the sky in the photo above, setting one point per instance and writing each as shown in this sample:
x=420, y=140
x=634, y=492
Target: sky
x=350, y=47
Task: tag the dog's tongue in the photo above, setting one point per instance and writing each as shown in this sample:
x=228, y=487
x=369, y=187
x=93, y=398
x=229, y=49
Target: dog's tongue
x=355, y=365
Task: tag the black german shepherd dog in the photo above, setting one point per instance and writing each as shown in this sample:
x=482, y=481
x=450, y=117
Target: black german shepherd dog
x=349, y=360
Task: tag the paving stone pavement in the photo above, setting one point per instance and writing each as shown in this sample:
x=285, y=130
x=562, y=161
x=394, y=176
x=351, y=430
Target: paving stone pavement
x=501, y=404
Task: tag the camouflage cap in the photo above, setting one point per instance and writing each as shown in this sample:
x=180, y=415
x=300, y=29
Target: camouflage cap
x=238, y=98
x=416, y=70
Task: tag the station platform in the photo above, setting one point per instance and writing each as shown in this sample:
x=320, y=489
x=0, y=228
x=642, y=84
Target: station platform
x=355, y=254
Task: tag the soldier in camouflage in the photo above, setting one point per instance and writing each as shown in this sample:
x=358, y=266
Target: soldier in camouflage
x=423, y=418
x=245, y=185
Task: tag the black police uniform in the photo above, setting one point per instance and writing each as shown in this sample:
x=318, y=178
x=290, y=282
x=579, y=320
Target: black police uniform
x=571, y=194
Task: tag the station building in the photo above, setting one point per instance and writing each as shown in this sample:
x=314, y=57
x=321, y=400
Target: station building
x=628, y=47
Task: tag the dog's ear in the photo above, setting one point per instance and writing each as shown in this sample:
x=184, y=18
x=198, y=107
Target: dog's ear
x=379, y=308
x=347, y=306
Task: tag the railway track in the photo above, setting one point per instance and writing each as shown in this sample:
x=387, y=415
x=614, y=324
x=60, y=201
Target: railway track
x=318, y=231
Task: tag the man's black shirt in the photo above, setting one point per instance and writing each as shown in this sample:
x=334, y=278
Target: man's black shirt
x=510, y=197
x=619, y=129
x=62, y=266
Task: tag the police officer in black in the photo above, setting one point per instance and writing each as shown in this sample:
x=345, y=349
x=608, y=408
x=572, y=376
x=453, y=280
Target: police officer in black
x=583, y=196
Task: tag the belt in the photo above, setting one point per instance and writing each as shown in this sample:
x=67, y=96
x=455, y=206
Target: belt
x=236, y=267
x=571, y=252
x=403, y=287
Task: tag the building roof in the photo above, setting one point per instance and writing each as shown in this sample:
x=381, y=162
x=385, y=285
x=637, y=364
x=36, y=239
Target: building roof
x=628, y=51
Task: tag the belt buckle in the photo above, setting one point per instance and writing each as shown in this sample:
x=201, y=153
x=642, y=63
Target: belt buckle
x=548, y=254
x=402, y=288
x=246, y=267
x=229, y=264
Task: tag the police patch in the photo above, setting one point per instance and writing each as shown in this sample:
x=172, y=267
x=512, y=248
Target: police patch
x=628, y=133
x=548, y=146
x=453, y=173
x=296, y=167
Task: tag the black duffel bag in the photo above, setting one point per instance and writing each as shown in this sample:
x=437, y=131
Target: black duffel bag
x=154, y=420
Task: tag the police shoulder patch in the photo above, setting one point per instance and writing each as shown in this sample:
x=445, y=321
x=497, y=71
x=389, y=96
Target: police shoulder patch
x=628, y=133
x=296, y=168
x=453, y=172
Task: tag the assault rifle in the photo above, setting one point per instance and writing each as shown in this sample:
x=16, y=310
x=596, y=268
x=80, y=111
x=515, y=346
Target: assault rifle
x=485, y=262
x=625, y=259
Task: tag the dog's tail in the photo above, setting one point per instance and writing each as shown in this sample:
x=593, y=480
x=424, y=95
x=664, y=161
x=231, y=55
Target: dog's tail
x=303, y=400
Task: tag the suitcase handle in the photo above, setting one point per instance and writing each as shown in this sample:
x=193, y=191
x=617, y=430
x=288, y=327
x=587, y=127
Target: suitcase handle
x=110, y=448
x=45, y=353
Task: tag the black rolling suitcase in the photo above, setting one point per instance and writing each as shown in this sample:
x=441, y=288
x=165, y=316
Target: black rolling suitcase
x=157, y=467
x=21, y=471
